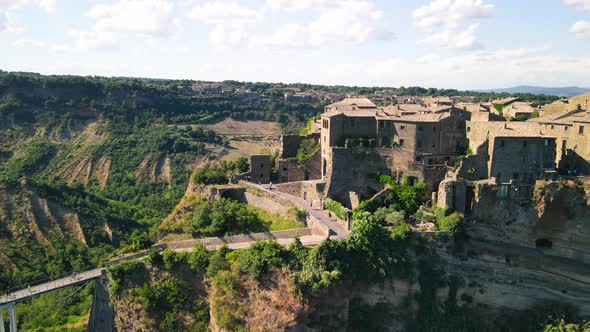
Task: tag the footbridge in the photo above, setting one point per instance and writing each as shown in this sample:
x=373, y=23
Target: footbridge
x=321, y=226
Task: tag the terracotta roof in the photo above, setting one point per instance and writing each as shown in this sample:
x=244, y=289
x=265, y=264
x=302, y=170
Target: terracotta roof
x=505, y=100
x=358, y=102
x=515, y=129
x=564, y=117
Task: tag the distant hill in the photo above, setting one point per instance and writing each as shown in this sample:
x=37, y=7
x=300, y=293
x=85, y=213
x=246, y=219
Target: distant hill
x=569, y=91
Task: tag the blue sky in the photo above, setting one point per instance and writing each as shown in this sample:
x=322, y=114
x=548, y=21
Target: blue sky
x=464, y=44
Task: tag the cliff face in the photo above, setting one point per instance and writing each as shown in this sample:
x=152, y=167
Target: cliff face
x=29, y=222
x=512, y=260
x=521, y=254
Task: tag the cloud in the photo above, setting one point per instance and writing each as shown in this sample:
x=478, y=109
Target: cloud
x=154, y=18
x=324, y=23
x=447, y=38
x=583, y=5
x=49, y=5
x=581, y=29
x=500, y=68
x=446, y=22
x=7, y=23
x=117, y=22
x=223, y=13
x=291, y=5
x=28, y=43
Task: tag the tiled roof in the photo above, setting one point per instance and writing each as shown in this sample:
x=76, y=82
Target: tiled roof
x=358, y=102
x=564, y=117
x=515, y=129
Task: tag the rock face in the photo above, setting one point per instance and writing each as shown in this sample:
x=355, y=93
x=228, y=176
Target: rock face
x=25, y=216
x=519, y=255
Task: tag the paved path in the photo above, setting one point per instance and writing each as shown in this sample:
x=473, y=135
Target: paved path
x=336, y=232
x=76, y=279
x=339, y=232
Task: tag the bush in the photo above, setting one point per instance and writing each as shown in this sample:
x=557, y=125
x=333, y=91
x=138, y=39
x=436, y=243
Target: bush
x=447, y=221
x=209, y=174
x=257, y=260
x=218, y=261
x=339, y=210
x=198, y=259
x=171, y=258
x=223, y=217
x=306, y=149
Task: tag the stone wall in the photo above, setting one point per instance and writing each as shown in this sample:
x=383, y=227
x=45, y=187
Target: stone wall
x=356, y=170
x=290, y=143
x=260, y=168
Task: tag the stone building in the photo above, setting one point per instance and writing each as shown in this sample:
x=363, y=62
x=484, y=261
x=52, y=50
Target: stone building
x=507, y=158
x=571, y=128
x=360, y=140
x=260, y=168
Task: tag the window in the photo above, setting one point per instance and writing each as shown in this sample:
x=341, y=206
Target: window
x=565, y=128
x=324, y=139
x=284, y=169
x=434, y=129
x=552, y=126
x=419, y=144
x=430, y=162
x=581, y=130
x=564, y=144
x=502, y=191
x=418, y=159
x=402, y=127
x=401, y=142
x=468, y=129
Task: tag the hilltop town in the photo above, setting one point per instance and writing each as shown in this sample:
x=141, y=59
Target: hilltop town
x=454, y=147
x=407, y=207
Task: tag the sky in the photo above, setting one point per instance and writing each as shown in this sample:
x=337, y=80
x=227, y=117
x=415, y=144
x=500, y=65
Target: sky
x=462, y=44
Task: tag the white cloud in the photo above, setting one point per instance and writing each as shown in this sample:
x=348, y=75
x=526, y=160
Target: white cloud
x=295, y=5
x=223, y=13
x=352, y=22
x=148, y=17
x=500, y=68
x=329, y=23
x=581, y=29
x=579, y=4
x=459, y=39
x=48, y=5
x=28, y=43
x=446, y=22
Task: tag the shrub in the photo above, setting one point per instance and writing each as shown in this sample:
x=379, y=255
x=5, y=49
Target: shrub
x=209, y=174
x=218, y=261
x=171, y=258
x=306, y=149
x=447, y=221
x=257, y=260
x=339, y=210
x=198, y=259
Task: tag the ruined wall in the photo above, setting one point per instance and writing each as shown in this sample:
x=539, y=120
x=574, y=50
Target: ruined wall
x=290, y=143
x=260, y=168
x=356, y=170
x=293, y=170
